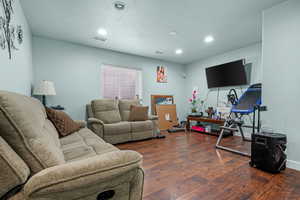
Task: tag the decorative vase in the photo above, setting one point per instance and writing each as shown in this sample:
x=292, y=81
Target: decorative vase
x=194, y=110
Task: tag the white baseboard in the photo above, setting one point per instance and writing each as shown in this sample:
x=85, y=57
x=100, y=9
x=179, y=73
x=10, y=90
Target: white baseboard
x=293, y=164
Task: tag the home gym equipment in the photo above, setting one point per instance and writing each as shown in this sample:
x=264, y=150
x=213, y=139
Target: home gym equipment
x=248, y=103
x=268, y=152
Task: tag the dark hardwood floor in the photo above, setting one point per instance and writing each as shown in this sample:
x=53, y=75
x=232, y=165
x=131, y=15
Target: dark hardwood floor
x=188, y=167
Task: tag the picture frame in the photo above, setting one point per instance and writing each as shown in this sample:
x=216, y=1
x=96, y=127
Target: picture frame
x=161, y=74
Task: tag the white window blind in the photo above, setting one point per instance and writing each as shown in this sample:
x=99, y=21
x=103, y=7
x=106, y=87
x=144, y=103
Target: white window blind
x=123, y=83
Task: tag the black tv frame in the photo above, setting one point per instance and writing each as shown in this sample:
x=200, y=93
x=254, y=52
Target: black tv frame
x=242, y=82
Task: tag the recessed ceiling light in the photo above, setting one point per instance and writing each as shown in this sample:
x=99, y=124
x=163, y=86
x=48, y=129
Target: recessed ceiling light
x=173, y=33
x=102, y=31
x=209, y=39
x=119, y=5
x=178, y=51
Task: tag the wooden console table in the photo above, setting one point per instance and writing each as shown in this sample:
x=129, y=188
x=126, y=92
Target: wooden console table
x=208, y=120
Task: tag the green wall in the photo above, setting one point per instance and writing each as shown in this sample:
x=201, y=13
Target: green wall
x=75, y=70
x=281, y=73
x=16, y=74
x=196, y=77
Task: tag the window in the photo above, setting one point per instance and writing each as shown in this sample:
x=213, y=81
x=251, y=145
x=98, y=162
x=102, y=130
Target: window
x=123, y=83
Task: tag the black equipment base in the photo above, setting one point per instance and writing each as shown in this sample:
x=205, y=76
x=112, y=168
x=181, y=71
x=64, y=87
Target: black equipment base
x=160, y=136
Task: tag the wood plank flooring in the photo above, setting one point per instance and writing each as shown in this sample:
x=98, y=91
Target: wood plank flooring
x=188, y=167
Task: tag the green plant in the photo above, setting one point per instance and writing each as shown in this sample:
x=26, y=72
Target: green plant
x=194, y=101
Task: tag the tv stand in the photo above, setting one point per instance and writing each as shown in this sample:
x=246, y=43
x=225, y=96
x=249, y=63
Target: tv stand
x=219, y=122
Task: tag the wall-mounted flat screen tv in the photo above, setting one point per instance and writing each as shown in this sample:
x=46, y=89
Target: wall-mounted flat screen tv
x=225, y=75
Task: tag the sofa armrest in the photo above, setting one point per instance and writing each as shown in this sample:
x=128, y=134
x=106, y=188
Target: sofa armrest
x=82, y=123
x=153, y=117
x=85, y=178
x=95, y=121
x=14, y=171
x=97, y=126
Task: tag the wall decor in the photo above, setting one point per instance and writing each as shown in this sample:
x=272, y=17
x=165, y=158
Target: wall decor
x=9, y=33
x=161, y=74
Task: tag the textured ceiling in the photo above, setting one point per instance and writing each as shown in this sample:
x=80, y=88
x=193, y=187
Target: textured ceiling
x=144, y=26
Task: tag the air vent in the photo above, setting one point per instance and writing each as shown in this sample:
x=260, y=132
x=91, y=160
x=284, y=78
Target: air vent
x=159, y=52
x=119, y=5
x=101, y=39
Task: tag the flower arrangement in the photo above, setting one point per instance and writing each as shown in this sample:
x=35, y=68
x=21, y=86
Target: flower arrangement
x=194, y=101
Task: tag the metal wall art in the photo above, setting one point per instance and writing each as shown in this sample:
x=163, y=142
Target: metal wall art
x=9, y=34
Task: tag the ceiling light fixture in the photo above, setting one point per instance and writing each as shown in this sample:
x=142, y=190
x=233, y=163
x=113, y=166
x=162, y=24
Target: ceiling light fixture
x=179, y=51
x=209, y=39
x=119, y=5
x=102, y=31
x=173, y=33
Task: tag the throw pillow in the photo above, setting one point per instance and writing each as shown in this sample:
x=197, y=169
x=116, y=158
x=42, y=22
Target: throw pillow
x=62, y=122
x=138, y=113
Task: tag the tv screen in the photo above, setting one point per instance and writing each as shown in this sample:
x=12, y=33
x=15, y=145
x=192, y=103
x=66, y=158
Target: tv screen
x=229, y=74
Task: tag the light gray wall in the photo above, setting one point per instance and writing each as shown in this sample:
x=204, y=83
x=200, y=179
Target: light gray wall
x=281, y=73
x=16, y=74
x=75, y=70
x=196, y=76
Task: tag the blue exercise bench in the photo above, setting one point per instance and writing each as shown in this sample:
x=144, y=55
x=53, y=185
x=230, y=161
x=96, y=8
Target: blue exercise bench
x=248, y=103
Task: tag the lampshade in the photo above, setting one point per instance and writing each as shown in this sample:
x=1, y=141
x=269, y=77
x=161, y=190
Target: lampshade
x=45, y=88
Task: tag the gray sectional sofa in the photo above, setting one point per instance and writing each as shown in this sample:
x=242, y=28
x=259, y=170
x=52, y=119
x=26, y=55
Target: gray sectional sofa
x=38, y=165
x=108, y=118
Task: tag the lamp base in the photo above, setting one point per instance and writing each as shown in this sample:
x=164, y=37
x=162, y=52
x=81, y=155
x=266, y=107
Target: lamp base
x=44, y=100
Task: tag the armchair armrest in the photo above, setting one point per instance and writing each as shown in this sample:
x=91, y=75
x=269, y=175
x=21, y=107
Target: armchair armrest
x=153, y=117
x=88, y=177
x=95, y=120
x=82, y=123
x=97, y=126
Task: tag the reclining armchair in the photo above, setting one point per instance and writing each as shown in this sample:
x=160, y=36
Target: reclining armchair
x=38, y=165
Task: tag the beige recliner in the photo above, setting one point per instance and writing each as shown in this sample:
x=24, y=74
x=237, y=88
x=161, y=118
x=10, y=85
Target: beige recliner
x=37, y=165
x=108, y=118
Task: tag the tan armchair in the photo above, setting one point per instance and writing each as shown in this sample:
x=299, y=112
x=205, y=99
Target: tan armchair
x=37, y=165
x=109, y=119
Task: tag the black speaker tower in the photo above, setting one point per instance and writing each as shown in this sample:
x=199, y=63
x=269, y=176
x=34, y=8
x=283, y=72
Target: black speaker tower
x=268, y=151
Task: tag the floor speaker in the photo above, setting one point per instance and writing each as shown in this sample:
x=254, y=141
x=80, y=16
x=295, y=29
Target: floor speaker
x=268, y=151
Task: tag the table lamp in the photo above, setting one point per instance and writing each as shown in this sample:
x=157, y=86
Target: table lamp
x=45, y=88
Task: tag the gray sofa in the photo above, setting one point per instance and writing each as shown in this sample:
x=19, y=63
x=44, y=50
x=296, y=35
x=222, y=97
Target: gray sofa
x=37, y=165
x=108, y=118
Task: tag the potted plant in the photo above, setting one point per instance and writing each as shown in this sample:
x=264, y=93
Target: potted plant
x=194, y=101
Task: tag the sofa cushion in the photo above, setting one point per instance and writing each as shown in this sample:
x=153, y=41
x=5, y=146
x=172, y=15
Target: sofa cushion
x=117, y=128
x=62, y=122
x=124, y=107
x=24, y=126
x=79, y=137
x=139, y=126
x=138, y=113
x=84, y=144
x=106, y=110
x=141, y=130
